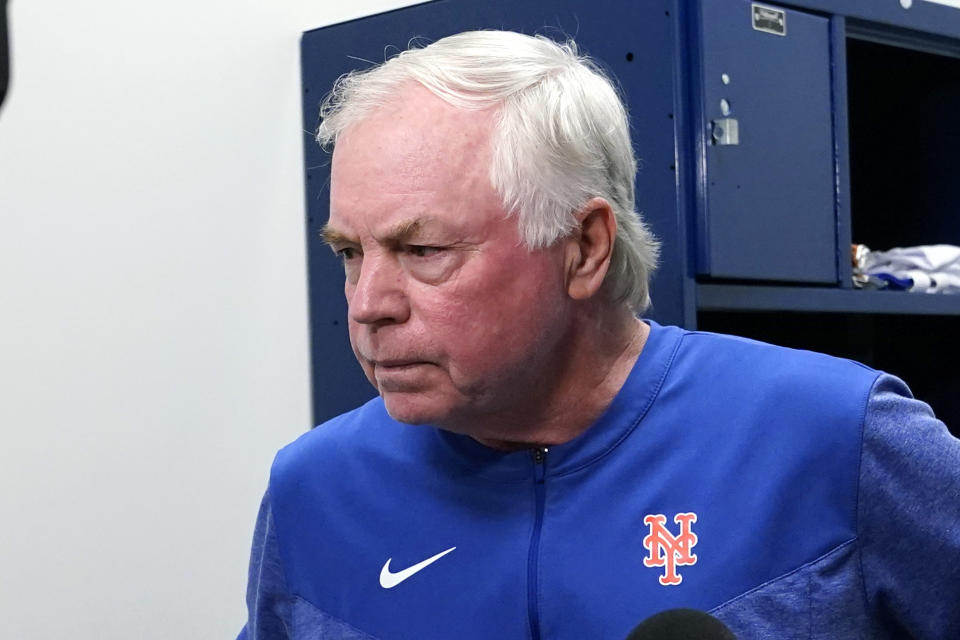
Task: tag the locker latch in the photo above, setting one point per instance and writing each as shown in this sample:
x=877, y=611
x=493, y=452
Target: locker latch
x=725, y=131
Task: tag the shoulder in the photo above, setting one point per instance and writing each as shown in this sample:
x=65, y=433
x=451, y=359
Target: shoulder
x=778, y=403
x=347, y=431
x=774, y=369
x=345, y=447
x=705, y=342
x=909, y=541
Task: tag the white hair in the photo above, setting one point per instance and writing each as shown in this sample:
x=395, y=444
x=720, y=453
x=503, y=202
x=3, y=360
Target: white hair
x=561, y=136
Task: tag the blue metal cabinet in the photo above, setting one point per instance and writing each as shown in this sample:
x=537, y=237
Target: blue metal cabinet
x=766, y=207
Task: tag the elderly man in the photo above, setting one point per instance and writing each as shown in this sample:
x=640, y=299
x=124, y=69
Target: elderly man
x=573, y=469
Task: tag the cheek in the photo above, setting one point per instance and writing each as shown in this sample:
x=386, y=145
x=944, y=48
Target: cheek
x=354, y=331
x=503, y=320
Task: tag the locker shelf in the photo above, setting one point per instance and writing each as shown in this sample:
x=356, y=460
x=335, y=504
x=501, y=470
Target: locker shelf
x=736, y=297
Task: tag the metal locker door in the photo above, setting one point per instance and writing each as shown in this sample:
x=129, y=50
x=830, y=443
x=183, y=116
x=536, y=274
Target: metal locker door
x=766, y=197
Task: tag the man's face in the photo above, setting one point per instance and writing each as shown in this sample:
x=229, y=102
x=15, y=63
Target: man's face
x=451, y=318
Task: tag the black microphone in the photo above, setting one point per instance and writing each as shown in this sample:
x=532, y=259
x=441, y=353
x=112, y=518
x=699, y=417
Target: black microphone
x=681, y=624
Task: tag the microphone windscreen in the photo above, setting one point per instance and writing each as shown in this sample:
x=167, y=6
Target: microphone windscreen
x=681, y=624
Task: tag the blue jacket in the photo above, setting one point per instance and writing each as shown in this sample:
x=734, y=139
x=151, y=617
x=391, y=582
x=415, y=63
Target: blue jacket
x=789, y=493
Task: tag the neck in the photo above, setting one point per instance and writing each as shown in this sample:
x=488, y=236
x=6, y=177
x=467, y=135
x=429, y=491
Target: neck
x=603, y=351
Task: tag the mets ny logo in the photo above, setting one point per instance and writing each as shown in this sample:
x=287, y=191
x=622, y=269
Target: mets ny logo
x=667, y=550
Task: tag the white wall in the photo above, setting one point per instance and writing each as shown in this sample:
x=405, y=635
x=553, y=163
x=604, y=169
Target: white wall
x=153, y=312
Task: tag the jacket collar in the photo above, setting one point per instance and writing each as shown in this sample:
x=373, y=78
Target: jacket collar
x=619, y=420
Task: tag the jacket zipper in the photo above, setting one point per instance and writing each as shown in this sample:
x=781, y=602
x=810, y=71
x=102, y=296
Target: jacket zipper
x=539, y=490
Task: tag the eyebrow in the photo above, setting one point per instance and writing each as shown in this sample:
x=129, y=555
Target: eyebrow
x=398, y=234
x=332, y=236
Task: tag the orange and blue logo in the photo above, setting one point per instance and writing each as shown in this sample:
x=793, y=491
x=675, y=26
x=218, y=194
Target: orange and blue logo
x=667, y=550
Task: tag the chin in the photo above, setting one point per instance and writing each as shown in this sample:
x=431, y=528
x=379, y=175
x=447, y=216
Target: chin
x=412, y=410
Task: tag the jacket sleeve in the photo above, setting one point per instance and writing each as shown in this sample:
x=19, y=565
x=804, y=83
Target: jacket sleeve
x=908, y=516
x=268, y=599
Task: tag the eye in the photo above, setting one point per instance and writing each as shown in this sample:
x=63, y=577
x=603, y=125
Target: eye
x=347, y=253
x=421, y=251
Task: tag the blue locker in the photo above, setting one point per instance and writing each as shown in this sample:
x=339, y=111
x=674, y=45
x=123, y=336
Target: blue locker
x=766, y=209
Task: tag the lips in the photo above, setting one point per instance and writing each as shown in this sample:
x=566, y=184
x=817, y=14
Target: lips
x=399, y=376
x=393, y=361
x=390, y=362
x=397, y=364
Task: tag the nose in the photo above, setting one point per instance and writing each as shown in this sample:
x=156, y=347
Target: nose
x=378, y=296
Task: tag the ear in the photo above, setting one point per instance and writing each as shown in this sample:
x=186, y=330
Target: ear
x=589, y=249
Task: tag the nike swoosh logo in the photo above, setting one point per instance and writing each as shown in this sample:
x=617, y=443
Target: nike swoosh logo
x=389, y=579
